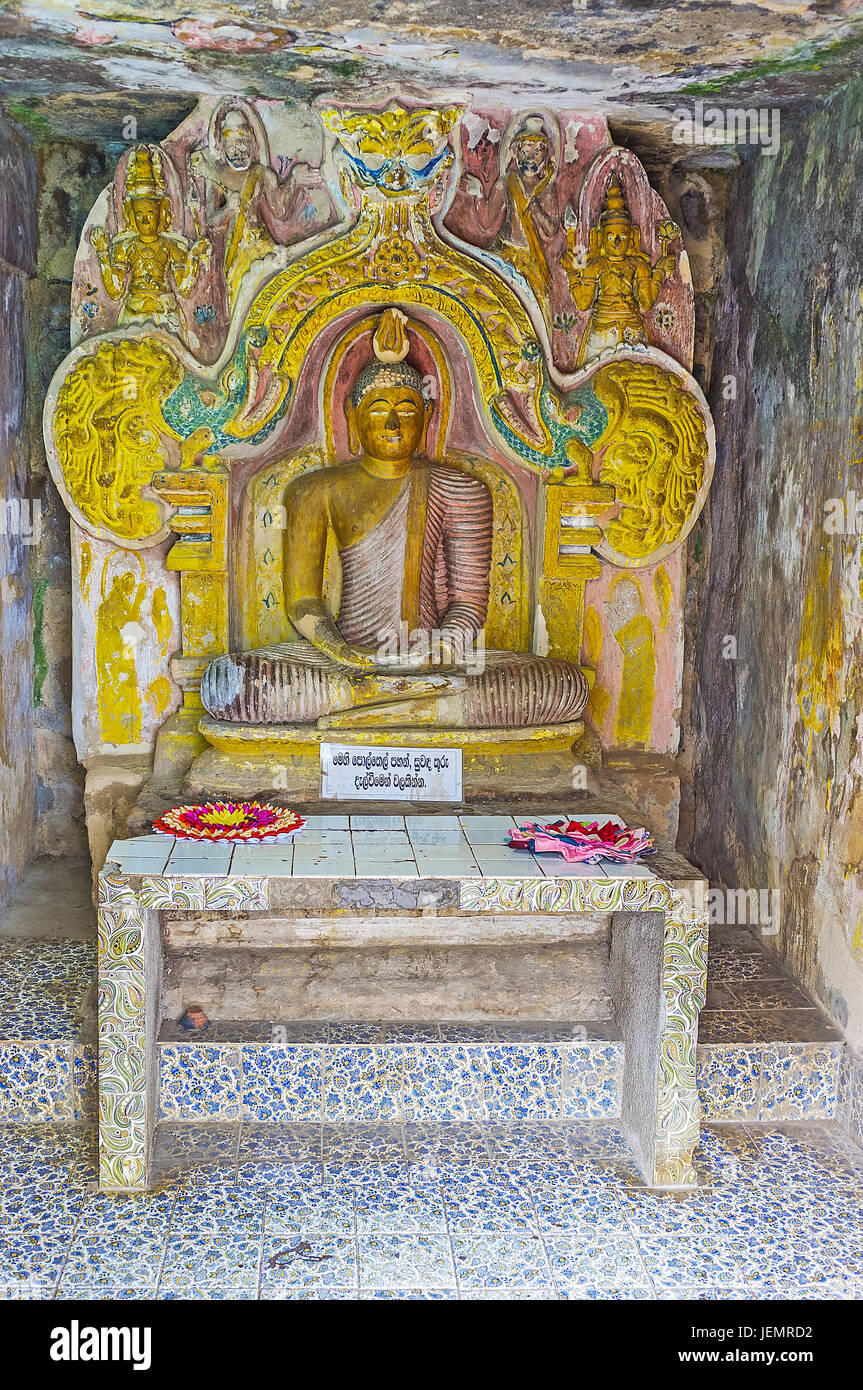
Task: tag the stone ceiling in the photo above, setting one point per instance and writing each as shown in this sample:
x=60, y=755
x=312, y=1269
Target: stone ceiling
x=65, y=71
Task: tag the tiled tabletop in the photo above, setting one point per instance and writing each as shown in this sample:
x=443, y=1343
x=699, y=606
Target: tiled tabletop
x=369, y=846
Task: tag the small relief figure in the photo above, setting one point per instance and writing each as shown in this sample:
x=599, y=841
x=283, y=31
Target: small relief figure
x=515, y=215
x=616, y=280
x=148, y=266
x=243, y=198
x=533, y=219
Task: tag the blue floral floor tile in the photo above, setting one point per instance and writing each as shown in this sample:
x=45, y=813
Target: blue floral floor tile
x=359, y=1143
x=487, y=1205
x=501, y=1259
x=292, y=1261
x=327, y=1209
x=219, y=1208
x=607, y=1261
x=526, y=1143
x=410, y=1206
x=430, y=1145
x=408, y=1295
x=128, y=1257
x=150, y=1212
x=415, y=1260
x=217, y=1261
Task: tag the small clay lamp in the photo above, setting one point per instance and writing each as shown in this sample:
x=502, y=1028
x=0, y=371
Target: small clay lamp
x=194, y=1018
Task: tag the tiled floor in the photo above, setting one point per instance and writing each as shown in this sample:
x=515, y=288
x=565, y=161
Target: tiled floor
x=435, y=1212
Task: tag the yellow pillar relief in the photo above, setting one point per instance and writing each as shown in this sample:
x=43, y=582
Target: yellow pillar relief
x=662, y=594
x=633, y=632
x=118, y=630
x=86, y=569
x=162, y=621
x=159, y=695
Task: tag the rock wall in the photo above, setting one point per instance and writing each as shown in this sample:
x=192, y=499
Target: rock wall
x=69, y=175
x=17, y=741
x=779, y=705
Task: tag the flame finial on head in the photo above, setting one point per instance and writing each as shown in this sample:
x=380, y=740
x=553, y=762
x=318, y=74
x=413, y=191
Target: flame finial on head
x=391, y=346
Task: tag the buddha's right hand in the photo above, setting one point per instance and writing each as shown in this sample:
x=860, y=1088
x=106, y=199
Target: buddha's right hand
x=352, y=657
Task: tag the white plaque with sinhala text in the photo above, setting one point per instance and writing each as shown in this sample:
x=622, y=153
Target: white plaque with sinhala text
x=354, y=772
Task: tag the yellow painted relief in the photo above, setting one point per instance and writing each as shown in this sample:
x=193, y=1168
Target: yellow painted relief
x=159, y=695
x=663, y=595
x=118, y=632
x=633, y=632
x=108, y=428
x=86, y=567
x=162, y=620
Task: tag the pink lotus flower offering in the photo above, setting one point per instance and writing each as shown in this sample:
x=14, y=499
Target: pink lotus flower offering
x=245, y=821
x=583, y=843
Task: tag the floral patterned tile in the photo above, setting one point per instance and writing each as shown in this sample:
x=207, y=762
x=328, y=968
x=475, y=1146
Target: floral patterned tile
x=489, y=1203
x=281, y=1083
x=527, y=1143
x=443, y=1083
x=406, y=1295
x=849, y=1107
x=197, y=1082
x=292, y=1261
x=285, y=1294
x=522, y=1083
x=501, y=1260
x=429, y=1145
x=612, y=1261
x=362, y=1083
x=302, y=1210
x=35, y=1081
x=127, y=1257
x=728, y=1081
x=274, y=1144
x=414, y=1261
x=732, y=963
x=415, y=1205
x=798, y=1082
x=671, y=1259
x=219, y=1207
x=580, y=1211
x=149, y=1212
x=591, y=1080
x=359, y=1143
x=726, y=1026
x=196, y=1261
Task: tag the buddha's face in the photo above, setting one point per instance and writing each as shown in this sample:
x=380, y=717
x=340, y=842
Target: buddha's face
x=145, y=212
x=391, y=421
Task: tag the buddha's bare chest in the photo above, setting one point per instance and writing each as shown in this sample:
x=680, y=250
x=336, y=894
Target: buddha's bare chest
x=356, y=510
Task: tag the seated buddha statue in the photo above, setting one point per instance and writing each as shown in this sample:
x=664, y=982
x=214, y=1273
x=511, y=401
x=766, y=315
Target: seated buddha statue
x=414, y=540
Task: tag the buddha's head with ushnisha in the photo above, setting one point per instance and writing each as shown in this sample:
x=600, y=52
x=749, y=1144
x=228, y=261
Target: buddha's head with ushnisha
x=389, y=410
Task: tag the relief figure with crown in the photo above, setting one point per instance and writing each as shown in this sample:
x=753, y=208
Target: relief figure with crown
x=147, y=266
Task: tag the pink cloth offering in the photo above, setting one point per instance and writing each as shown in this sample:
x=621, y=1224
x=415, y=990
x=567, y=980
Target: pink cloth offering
x=583, y=842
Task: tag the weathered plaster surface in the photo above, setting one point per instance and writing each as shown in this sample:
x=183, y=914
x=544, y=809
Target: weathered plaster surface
x=779, y=771
x=17, y=756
